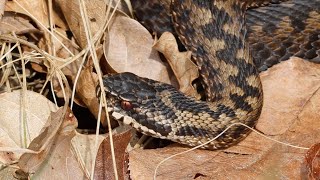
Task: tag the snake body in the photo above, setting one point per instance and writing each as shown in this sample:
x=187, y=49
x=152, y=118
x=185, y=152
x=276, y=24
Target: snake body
x=277, y=29
x=215, y=32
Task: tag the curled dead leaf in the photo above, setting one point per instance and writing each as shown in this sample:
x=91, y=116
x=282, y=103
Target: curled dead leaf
x=2, y=5
x=128, y=48
x=54, y=158
x=86, y=90
x=311, y=166
x=14, y=106
x=96, y=10
x=183, y=68
x=104, y=164
x=97, y=13
x=11, y=22
x=36, y=8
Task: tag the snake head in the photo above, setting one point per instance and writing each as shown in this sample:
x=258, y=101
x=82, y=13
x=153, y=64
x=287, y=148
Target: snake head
x=125, y=92
x=136, y=101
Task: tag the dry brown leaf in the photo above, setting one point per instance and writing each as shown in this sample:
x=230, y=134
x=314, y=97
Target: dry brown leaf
x=86, y=90
x=7, y=174
x=2, y=5
x=311, y=166
x=37, y=110
x=183, y=68
x=39, y=67
x=16, y=23
x=128, y=48
x=56, y=159
x=142, y=163
x=96, y=10
x=83, y=97
x=104, y=164
x=59, y=50
x=293, y=83
x=85, y=146
x=295, y=120
x=38, y=9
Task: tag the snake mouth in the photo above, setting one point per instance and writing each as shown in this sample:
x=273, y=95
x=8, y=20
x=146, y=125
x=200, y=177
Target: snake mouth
x=123, y=119
x=114, y=111
x=111, y=107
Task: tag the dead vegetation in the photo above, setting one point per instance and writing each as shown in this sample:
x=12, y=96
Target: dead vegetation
x=53, y=55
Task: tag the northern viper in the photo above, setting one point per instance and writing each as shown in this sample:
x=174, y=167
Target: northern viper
x=216, y=33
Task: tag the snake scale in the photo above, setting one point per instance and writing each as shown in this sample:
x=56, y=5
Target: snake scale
x=230, y=42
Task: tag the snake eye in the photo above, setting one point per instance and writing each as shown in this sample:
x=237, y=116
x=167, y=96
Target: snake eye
x=126, y=105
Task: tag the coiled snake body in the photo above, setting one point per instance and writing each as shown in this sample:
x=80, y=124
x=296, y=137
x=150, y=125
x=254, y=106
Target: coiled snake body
x=215, y=32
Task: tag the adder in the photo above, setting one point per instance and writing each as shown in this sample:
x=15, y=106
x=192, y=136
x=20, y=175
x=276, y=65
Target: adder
x=231, y=41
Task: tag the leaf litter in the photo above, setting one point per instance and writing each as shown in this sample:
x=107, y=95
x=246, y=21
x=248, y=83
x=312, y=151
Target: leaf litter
x=290, y=114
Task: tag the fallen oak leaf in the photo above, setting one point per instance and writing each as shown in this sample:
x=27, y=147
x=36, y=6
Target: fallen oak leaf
x=55, y=159
x=183, y=68
x=104, y=164
x=16, y=23
x=41, y=13
x=293, y=78
x=181, y=167
x=311, y=166
x=37, y=109
x=88, y=152
x=128, y=48
x=97, y=13
x=86, y=92
x=2, y=5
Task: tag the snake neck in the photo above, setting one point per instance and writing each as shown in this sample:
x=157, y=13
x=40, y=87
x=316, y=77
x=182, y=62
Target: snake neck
x=218, y=47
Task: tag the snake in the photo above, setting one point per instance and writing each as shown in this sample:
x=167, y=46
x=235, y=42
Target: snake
x=231, y=42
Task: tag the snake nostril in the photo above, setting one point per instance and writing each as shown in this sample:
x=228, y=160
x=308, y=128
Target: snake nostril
x=126, y=105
